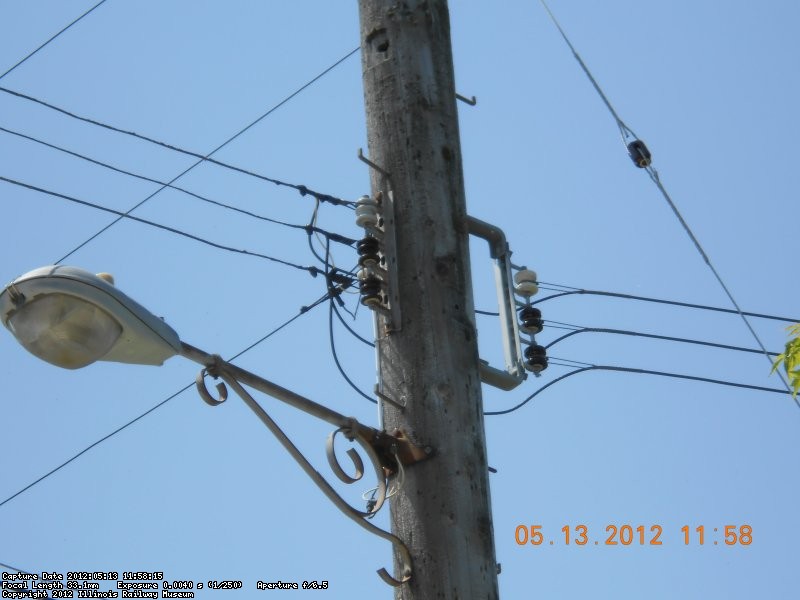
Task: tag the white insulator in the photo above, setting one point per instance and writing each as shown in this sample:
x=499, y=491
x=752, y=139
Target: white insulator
x=367, y=201
x=525, y=275
x=366, y=212
x=527, y=289
x=525, y=283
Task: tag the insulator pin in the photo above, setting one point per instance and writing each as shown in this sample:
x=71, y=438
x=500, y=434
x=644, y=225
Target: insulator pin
x=531, y=320
x=535, y=358
x=639, y=154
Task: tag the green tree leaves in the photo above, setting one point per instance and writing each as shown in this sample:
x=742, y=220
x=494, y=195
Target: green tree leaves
x=791, y=359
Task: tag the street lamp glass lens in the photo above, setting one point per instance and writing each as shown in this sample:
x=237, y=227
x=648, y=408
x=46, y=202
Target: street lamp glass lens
x=64, y=330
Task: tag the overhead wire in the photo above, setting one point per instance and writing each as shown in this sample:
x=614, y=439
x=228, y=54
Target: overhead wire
x=625, y=131
x=662, y=301
x=653, y=173
x=314, y=271
x=560, y=325
x=352, y=331
x=306, y=228
x=207, y=157
x=302, y=189
x=53, y=37
x=638, y=371
x=335, y=355
x=656, y=337
x=334, y=292
x=302, y=311
x=567, y=362
x=573, y=290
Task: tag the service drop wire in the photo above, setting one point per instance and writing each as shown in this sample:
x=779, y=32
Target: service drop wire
x=627, y=132
x=651, y=171
x=306, y=228
x=661, y=301
x=334, y=293
x=312, y=270
x=352, y=331
x=300, y=188
x=639, y=371
x=561, y=292
x=53, y=37
x=207, y=157
x=303, y=310
x=624, y=130
x=655, y=337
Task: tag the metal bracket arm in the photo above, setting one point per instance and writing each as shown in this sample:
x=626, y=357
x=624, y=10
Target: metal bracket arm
x=514, y=373
x=387, y=453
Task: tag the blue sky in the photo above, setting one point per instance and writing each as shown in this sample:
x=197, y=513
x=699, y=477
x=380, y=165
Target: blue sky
x=204, y=494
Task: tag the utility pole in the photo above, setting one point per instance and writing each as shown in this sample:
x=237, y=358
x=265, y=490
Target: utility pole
x=428, y=357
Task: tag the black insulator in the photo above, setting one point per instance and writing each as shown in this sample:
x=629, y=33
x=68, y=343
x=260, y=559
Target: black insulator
x=368, y=251
x=531, y=319
x=639, y=154
x=370, y=289
x=536, y=358
x=368, y=245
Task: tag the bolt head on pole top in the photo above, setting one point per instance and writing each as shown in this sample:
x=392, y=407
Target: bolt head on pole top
x=71, y=318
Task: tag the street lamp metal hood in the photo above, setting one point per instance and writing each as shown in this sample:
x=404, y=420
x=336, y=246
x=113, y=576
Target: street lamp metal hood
x=71, y=318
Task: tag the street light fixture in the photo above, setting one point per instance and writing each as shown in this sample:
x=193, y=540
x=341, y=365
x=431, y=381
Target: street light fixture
x=72, y=318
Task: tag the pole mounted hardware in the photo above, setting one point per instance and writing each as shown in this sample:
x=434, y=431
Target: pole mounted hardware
x=514, y=373
x=388, y=454
x=72, y=318
x=378, y=275
x=471, y=101
x=510, y=288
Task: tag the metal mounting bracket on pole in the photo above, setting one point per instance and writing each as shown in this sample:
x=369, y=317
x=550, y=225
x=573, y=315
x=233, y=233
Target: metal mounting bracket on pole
x=387, y=453
x=386, y=203
x=514, y=373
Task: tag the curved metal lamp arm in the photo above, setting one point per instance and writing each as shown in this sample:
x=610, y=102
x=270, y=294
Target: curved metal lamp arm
x=364, y=436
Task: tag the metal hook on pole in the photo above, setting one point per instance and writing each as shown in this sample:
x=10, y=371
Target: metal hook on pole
x=471, y=101
x=364, y=159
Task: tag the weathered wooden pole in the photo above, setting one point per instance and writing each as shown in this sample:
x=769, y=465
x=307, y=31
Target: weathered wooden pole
x=429, y=360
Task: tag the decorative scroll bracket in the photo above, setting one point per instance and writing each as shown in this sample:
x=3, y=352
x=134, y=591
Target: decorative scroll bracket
x=387, y=453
